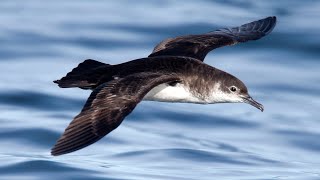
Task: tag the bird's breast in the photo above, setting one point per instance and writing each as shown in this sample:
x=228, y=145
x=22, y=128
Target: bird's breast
x=177, y=93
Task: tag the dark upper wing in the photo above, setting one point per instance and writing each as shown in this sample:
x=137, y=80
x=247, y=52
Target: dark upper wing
x=105, y=109
x=198, y=46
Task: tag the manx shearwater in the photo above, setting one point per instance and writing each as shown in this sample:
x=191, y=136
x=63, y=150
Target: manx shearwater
x=173, y=72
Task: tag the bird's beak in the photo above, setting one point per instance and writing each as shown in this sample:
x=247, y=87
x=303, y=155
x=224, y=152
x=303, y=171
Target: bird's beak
x=249, y=100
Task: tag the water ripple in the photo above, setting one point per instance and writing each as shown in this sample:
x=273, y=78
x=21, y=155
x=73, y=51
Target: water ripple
x=36, y=100
x=42, y=40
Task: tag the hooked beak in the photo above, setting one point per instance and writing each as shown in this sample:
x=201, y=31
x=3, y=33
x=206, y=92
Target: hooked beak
x=252, y=102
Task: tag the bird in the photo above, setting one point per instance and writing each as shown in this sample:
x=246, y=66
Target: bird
x=173, y=72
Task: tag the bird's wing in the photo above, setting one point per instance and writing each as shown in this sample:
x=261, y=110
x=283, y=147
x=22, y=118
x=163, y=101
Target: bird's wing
x=198, y=46
x=105, y=109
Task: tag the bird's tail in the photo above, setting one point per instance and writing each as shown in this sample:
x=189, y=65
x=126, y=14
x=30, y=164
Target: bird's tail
x=85, y=76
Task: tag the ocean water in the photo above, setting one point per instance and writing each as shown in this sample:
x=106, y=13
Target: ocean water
x=40, y=41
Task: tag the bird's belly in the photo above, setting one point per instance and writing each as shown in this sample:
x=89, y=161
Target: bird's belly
x=167, y=93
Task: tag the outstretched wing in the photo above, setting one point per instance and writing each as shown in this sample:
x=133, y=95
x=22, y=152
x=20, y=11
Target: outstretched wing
x=105, y=109
x=198, y=46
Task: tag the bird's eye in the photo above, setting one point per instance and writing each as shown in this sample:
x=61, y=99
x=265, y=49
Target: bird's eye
x=233, y=89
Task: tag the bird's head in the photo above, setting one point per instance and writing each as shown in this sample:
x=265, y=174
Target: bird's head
x=229, y=89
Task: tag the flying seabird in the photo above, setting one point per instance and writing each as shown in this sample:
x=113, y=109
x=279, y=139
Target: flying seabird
x=173, y=72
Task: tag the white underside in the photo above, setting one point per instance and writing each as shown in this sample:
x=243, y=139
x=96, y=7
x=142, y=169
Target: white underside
x=177, y=93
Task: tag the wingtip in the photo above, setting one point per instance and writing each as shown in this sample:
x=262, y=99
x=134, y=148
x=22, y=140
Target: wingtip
x=54, y=151
x=273, y=22
x=272, y=17
x=54, y=154
x=59, y=149
x=57, y=152
x=60, y=84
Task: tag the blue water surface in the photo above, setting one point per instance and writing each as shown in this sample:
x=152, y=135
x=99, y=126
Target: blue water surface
x=40, y=41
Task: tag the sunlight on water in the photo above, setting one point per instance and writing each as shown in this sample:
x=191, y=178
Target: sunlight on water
x=42, y=41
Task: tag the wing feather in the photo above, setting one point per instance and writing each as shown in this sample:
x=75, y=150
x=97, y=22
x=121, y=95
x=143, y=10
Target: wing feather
x=198, y=46
x=106, y=108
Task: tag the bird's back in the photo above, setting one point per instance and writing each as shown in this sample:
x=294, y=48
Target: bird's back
x=90, y=73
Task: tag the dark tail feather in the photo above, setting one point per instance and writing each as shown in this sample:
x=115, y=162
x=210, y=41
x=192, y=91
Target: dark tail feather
x=86, y=75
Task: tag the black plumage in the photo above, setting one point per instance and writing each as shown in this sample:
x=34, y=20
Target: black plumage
x=105, y=109
x=198, y=46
